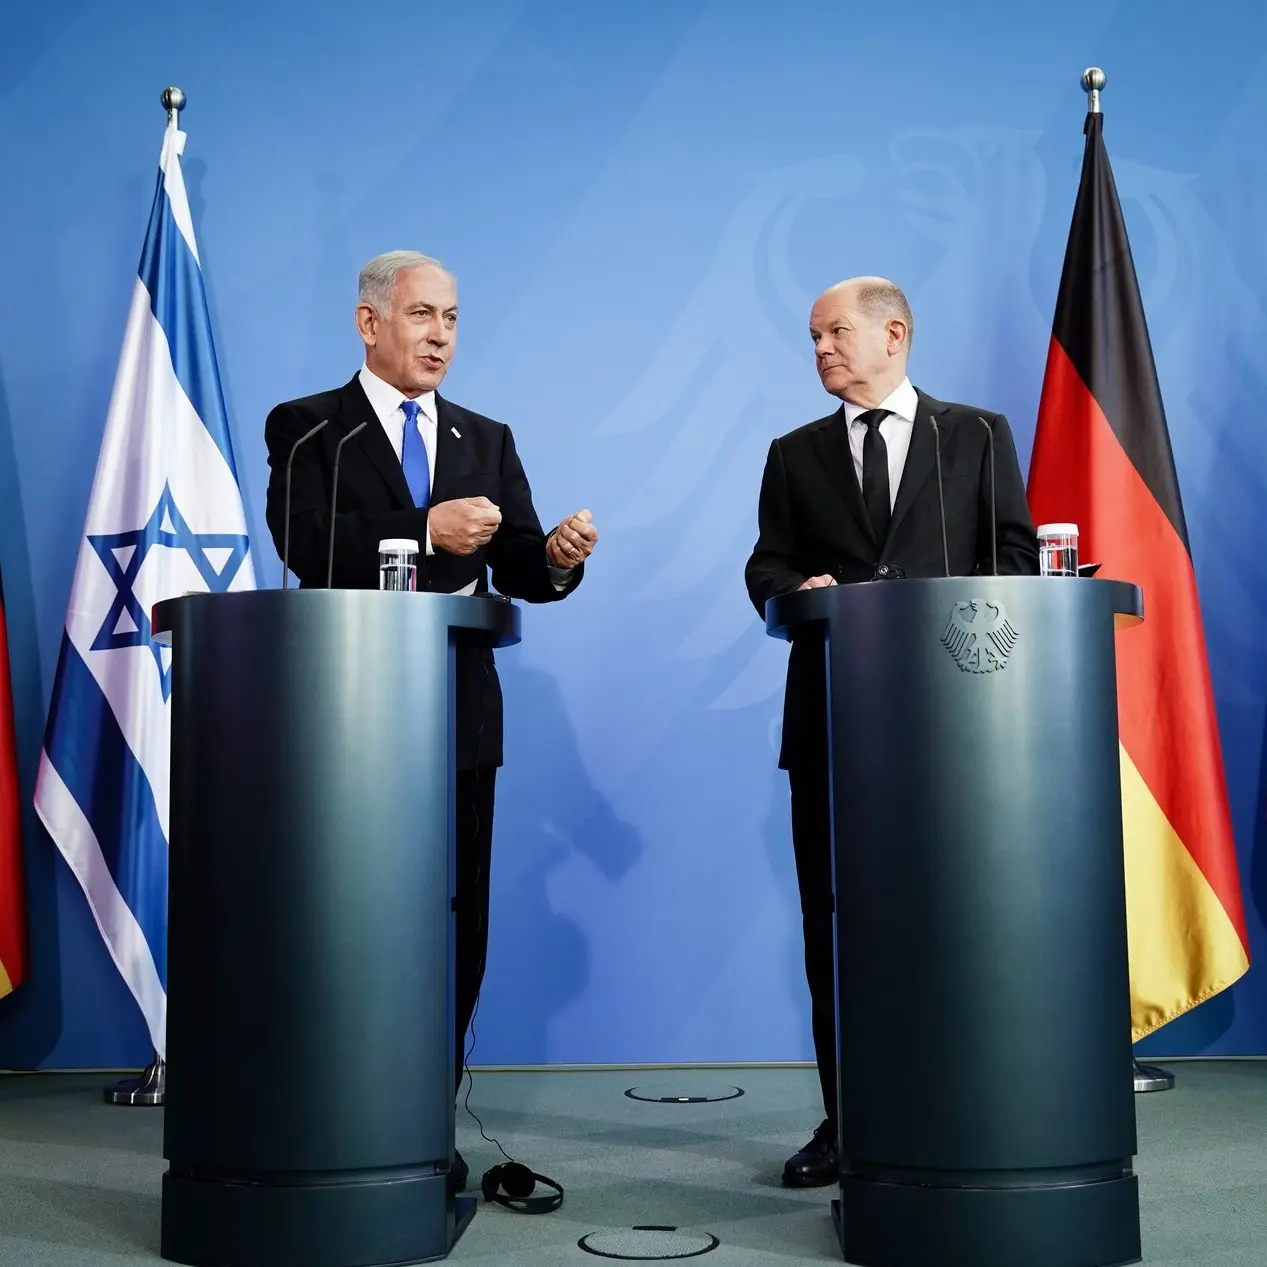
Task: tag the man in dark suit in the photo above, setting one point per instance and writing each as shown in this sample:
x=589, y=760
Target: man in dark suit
x=853, y=497
x=428, y=470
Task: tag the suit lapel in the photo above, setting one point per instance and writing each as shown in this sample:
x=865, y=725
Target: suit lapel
x=452, y=448
x=831, y=443
x=921, y=457
x=373, y=440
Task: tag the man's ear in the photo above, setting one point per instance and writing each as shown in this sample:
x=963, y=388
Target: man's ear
x=367, y=324
x=898, y=335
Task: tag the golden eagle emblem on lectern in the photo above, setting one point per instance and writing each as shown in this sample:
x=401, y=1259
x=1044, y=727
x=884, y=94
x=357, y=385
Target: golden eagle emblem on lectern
x=979, y=636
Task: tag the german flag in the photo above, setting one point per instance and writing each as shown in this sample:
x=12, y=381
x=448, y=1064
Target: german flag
x=1102, y=459
x=12, y=906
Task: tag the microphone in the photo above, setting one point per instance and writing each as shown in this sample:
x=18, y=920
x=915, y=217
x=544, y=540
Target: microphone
x=994, y=527
x=941, y=496
x=286, y=530
x=334, y=499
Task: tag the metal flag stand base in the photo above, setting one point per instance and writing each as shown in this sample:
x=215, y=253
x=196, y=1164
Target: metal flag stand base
x=150, y=1087
x=1152, y=1078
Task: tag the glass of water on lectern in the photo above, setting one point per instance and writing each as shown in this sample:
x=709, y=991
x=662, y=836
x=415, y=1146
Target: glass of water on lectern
x=1058, y=549
x=397, y=564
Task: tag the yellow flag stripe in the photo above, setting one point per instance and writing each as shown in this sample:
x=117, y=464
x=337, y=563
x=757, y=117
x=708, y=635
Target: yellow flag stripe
x=6, y=986
x=1183, y=947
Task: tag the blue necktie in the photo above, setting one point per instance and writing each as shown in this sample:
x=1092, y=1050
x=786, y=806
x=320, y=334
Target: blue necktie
x=413, y=456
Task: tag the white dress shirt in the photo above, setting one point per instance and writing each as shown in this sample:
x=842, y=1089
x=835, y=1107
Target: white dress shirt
x=896, y=429
x=386, y=401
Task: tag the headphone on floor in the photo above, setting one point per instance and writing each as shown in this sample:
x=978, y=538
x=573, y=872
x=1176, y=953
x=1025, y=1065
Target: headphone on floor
x=512, y=1184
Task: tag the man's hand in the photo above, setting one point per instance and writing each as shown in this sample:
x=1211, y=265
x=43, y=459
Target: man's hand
x=463, y=525
x=817, y=583
x=573, y=541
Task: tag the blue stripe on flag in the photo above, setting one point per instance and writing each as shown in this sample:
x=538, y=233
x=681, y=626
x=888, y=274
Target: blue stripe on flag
x=92, y=758
x=178, y=299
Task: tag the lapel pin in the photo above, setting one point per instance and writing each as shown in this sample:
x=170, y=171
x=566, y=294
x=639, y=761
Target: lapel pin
x=456, y=432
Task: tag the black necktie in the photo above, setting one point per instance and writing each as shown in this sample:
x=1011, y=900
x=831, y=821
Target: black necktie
x=875, y=473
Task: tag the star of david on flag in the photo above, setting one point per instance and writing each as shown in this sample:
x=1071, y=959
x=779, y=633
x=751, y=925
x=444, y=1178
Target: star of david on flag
x=165, y=518
x=122, y=554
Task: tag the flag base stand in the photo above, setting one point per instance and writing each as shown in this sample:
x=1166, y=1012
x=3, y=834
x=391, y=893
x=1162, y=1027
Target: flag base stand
x=1152, y=1078
x=148, y=1089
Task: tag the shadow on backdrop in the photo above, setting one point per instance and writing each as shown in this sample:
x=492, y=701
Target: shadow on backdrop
x=776, y=830
x=547, y=809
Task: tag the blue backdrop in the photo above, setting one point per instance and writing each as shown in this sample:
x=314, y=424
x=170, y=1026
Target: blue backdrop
x=640, y=201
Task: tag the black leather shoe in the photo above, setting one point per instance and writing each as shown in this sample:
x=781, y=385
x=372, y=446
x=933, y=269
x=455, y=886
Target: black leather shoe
x=817, y=1164
x=459, y=1173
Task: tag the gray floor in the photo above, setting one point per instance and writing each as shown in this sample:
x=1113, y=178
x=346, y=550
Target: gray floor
x=79, y=1179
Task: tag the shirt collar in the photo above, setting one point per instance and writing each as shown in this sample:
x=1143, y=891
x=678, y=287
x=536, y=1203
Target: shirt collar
x=901, y=401
x=385, y=399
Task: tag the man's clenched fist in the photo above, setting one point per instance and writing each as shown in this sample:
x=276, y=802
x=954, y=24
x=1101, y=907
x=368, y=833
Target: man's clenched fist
x=573, y=541
x=463, y=525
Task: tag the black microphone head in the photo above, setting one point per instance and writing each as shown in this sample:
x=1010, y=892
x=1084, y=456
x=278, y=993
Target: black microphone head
x=343, y=439
x=307, y=435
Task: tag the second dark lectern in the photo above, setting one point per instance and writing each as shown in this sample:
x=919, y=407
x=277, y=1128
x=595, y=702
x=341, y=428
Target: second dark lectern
x=310, y=1097
x=987, y=1109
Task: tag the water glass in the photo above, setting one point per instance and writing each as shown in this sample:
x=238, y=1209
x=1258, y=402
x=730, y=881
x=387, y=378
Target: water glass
x=397, y=564
x=1058, y=549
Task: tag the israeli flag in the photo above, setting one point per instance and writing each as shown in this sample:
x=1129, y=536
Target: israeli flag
x=165, y=517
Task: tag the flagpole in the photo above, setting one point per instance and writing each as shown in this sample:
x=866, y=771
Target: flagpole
x=1147, y=1077
x=149, y=1088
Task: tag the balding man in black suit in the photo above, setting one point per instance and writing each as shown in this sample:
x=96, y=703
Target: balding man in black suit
x=854, y=497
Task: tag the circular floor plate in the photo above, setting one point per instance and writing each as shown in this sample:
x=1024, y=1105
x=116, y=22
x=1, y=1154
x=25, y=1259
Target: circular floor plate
x=648, y=1243
x=684, y=1091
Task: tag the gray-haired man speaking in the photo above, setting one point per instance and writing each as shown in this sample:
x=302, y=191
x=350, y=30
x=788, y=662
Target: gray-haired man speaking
x=435, y=472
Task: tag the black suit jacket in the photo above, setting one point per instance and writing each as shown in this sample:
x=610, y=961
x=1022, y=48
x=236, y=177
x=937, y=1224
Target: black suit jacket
x=475, y=456
x=812, y=522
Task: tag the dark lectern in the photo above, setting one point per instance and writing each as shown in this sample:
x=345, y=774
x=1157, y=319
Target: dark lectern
x=986, y=1099
x=310, y=1097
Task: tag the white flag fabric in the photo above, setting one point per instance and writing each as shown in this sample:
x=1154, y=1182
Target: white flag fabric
x=165, y=518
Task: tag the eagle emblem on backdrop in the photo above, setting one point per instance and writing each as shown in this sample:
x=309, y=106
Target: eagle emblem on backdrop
x=979, y=636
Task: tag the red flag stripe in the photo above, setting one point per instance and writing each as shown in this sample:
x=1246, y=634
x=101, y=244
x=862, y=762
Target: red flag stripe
x=1080, y=473
x=12, y=905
